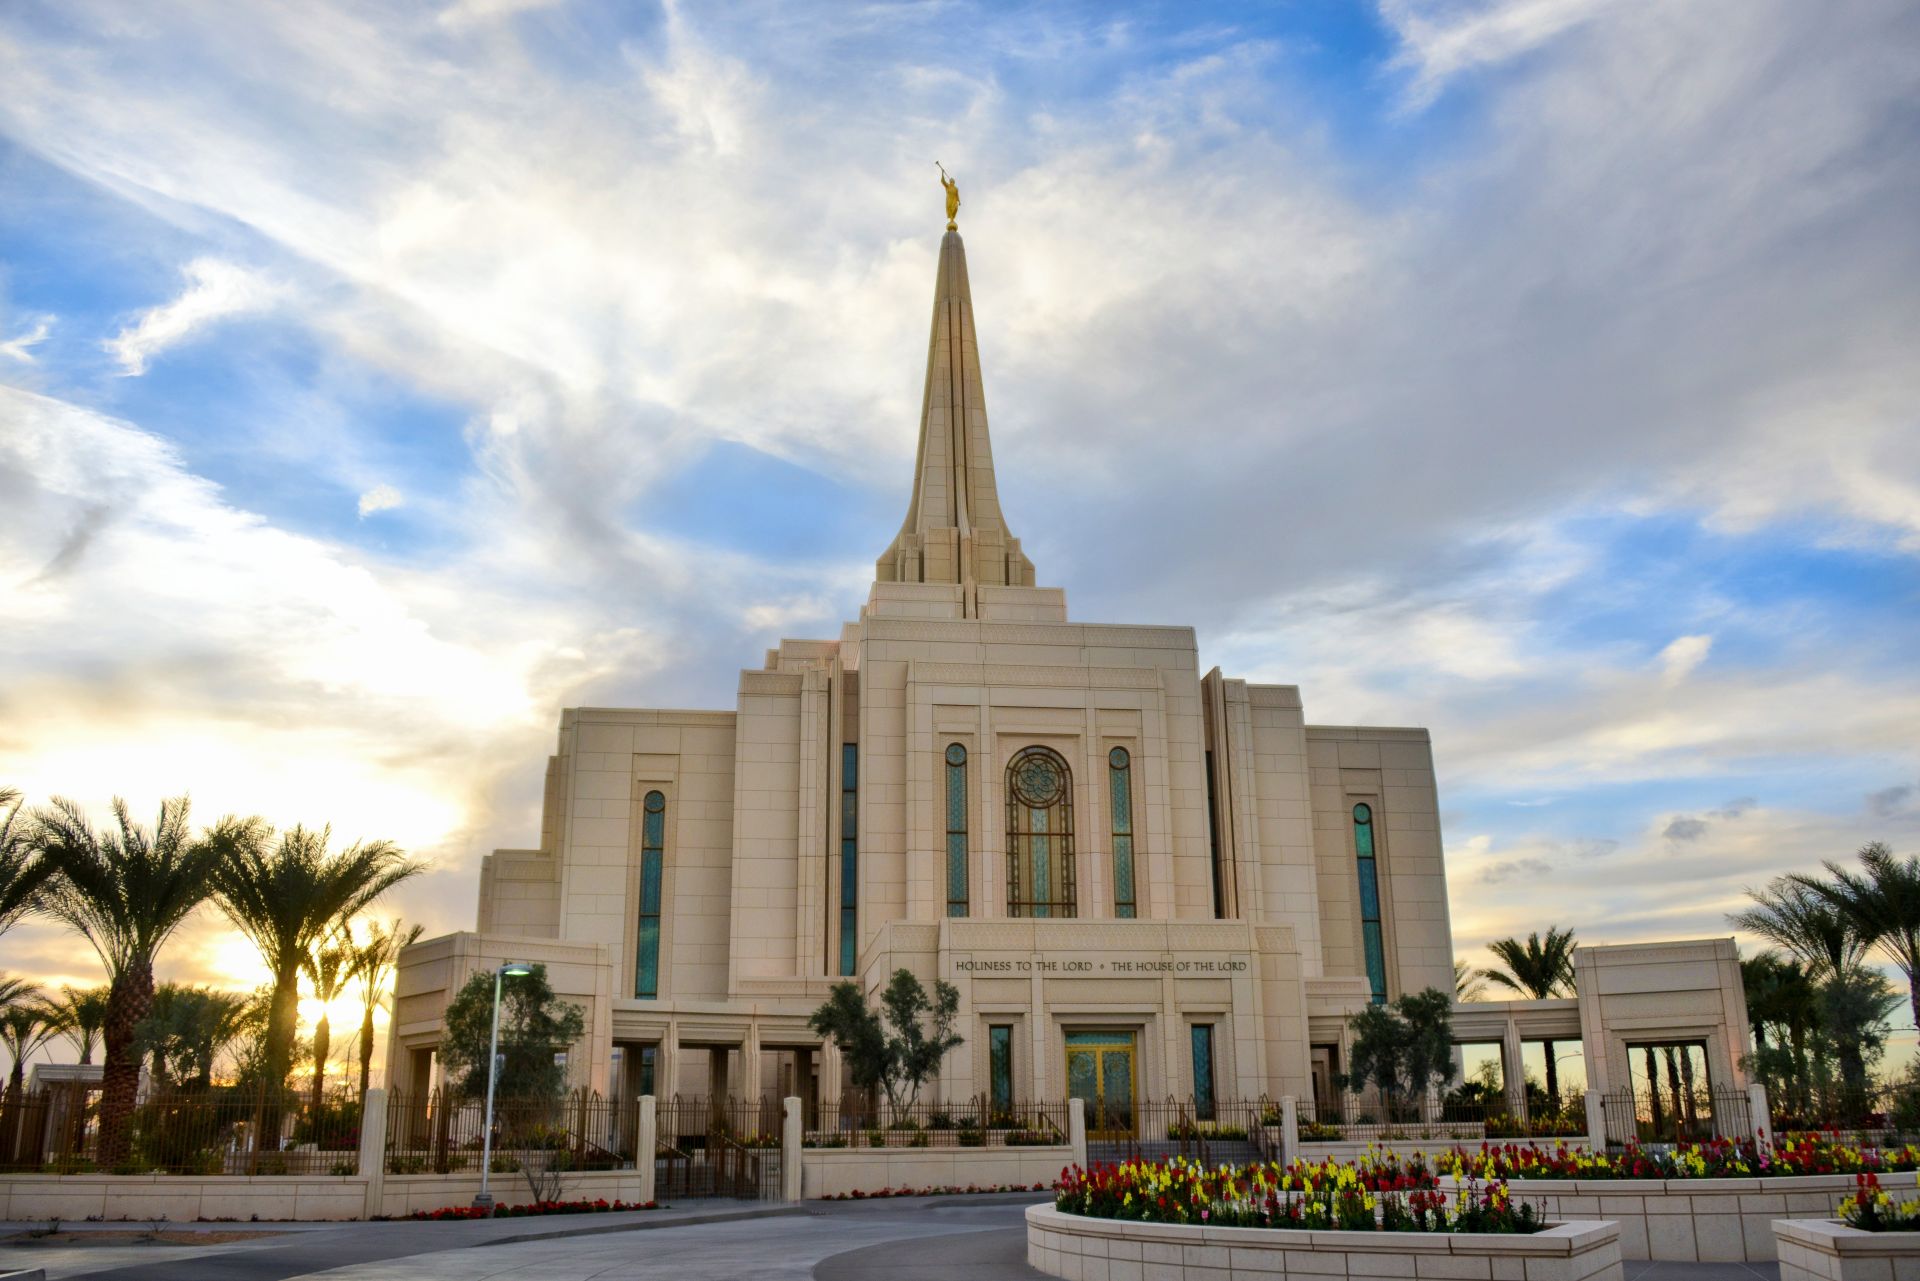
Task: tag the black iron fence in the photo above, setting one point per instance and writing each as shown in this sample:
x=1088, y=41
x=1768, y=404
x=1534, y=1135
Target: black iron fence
x=858, y=1122
x=1888, y=1113
x=717, y=1147
x=1676, y=1115
x=182, y=1130
x=1370, y=1118
x=444, y=1133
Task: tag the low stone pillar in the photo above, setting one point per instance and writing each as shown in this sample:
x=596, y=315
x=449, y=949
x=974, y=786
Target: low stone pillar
x=792, y=1131
x=1759, y=1117
x=1289, y=1130
x=1077, y=1130
x=1596, y=1122
x=647, y=1145
x=373, y=1148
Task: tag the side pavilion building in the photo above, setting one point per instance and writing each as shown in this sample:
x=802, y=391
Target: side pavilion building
x=1144, y=878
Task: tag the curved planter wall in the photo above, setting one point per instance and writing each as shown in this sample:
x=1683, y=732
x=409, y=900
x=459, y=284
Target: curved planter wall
x=1689, y=1220
x=1087, y=1249
x=1829, y=1250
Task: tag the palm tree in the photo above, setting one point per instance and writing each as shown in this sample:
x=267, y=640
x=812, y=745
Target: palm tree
x=25, y=1025
x=1883, y=903
x=1537, y=969
x=83, y=1013
x=22, y=873
x=330, y=968
x=1467, y=983
x=1793, y=913
x=374, y=963
x=127, y=891
x=286, y=898
x=188, y=1029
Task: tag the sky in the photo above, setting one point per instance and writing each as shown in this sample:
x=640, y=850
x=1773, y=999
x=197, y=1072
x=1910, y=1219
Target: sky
x=377, y=380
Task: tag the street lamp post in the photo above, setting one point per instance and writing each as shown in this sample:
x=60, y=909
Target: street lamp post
x=512, y=969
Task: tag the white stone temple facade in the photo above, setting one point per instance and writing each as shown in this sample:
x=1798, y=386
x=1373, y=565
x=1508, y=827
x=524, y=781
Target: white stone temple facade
x=1145, y=878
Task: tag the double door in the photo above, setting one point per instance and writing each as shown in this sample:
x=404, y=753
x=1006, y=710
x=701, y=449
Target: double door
x=1102, y=1073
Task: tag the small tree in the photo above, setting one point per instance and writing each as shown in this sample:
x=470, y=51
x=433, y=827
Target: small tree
x=535, y=1026
x=895, y=1053
x=1404, y=1048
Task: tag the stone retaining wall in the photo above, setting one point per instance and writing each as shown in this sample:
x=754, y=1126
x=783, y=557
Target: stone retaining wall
x=1080, y=1248
x=1829, y=1250
x=829, y=1172
x=1689, y=1220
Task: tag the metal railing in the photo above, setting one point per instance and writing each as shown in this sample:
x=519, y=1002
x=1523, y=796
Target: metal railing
x=442, y=1133
x=1880, y=1113
x=182, y=1130
x=1677, y=1115
x=856, y=1122
x=1368, y=1118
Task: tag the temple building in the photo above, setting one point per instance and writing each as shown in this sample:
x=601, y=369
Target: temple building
x=1144, y=877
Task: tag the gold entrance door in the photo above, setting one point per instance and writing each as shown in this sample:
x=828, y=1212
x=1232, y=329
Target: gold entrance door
x=1100, y=1073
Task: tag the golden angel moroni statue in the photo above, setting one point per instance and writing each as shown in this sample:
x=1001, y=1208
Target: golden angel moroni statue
x=953, y=195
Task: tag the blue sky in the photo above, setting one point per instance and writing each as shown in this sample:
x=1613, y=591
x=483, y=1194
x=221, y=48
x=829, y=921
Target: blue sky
x=377, y=380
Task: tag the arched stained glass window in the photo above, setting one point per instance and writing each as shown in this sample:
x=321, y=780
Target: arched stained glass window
x=1040, y=873
x=1371, y=940
x=956, y=830
x=1120, y=786
x=653, y=841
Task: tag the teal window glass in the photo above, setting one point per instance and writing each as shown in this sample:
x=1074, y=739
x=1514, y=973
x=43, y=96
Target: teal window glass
x=849, y=856
x=956, y=830
x=1040, y=868
x=649, y=1058
x=1000, y=1066
x=653, y=840
x=1371, y=940
x=1203, y=1107
x=1120, y=785
x=1213, y=840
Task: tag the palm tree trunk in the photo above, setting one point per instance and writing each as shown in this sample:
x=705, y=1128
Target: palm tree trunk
x=128, y=1000
x=1553, y=1078
x=283, y=1020
x=366, y=1048
x=322, y=1042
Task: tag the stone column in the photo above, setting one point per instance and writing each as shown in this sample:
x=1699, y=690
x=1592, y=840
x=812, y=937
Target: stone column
x=1077, y=1130
x=647, y=1145
x=1759, y=1117
x=1289, y=1130
x=1513, y=1070
x=1596, y=1122
x=373, y=1148
x=792, y=1132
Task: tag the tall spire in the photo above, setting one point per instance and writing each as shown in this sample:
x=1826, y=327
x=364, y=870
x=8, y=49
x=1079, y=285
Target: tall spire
x=954, y=532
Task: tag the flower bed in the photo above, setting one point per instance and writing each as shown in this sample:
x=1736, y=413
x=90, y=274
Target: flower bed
x=944, y=1190
x=1872, y=1208
x=1095, y=1249
x=1716, y=1159
x=531, y=1209
x=1323, y=1197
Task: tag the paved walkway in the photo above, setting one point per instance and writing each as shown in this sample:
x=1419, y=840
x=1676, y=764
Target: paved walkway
x=977, y=1238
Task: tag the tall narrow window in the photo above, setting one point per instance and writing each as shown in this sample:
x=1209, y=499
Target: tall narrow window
x=1000, y=1066
x=1213, y=838
x=653, y=840
x=649, y=1061
x=849, y=856
x=1040, y=875
x=1120, y=784
x=1203, y=1071
x=956, y=830
x=1370, y=937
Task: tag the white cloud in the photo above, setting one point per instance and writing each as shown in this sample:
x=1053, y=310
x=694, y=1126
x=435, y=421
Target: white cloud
x=1443, y=39
x=1681, y=656
x=379, y=499
x=17, y=347
x=215, y=290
